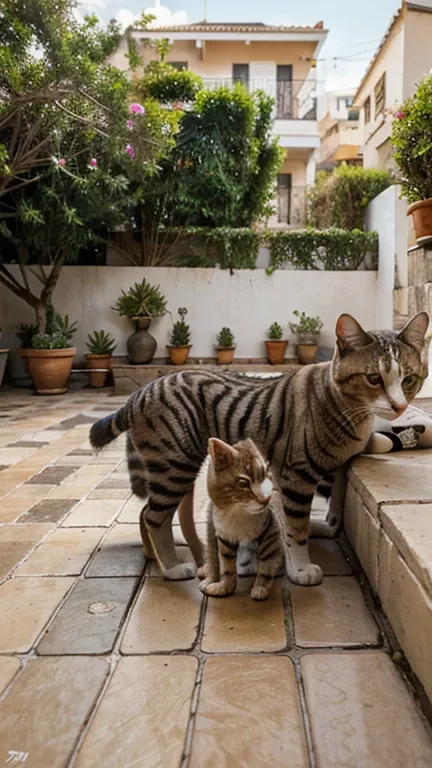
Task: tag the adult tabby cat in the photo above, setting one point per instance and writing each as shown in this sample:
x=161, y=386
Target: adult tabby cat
x=240, y=490
x=307, y=423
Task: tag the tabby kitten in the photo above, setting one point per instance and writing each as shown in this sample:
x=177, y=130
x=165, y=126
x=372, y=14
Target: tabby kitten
x=239, y=489
x=307, y=423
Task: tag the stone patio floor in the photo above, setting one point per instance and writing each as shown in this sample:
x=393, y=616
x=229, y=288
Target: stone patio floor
x=102, y=663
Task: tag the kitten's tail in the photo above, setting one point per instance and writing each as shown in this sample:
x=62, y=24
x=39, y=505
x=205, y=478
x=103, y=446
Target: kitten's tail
x=107, y=429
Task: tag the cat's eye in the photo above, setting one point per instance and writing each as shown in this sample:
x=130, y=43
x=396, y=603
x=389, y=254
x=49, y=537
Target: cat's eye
x=374, y=379
x=410, y=381
x=243, y=482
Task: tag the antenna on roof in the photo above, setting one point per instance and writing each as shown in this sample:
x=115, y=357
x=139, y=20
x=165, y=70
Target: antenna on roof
x=205, y=10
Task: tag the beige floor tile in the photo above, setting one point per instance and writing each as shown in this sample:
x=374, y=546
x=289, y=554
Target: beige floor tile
x=9, y=666
x=143, y=716
x=46, y=708
x=69, y=492
x=121, y=553
x=21, y=500
x=95, y=470
x=26, y=605
x=64, y=553
x=131, y=510
x=201, y=529
x=409, y=526
x=249, y=715
x=113, y=493
x=17, y=540
x=93, y=513
x=10, y=456
x=89, y=620
x=362, y=714
x=238, y=623
x=165, y=617
x=328, y=554
x=333, y=613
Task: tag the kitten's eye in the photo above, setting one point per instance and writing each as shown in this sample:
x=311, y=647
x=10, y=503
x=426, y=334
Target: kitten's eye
x=243, y=482
x=410, y=381
x=374, y=379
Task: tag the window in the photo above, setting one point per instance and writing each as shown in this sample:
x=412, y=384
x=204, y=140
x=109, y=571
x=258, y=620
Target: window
x=344, y=102
x=284, y=198
x=380, y=96
x=284, y=92
x=367, y=110
x=241, y=73
x=180, y=65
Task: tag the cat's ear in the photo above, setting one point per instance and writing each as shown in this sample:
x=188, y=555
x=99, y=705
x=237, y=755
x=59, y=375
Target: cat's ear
x=350, y=334
x=414, y=332
x=222, y=455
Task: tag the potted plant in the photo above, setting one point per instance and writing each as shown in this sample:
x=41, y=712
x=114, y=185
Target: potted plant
x=411, y=138
x=25, y=335
x=307, y=330
x=141, y=303
x=179, y=342
x=225, y=346
x=50, y=358
x=275, y=344
x=100, y=347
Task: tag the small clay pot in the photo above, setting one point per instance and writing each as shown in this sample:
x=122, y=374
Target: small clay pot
x=97, y=379
x=276, y=351
x=225, y=355
x=178, y=355
x=50, y=369
x=421, y=213
x=141, y=346
x=307, y=353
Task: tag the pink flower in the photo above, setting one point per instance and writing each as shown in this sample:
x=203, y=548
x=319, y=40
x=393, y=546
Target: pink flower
x=130, y=150
x=62, y=161
x=93, y=163
x=136, y=109
x=129, y=123
x=399, y=115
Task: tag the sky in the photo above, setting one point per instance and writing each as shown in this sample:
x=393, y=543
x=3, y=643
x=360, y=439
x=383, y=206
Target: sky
x=354, y=31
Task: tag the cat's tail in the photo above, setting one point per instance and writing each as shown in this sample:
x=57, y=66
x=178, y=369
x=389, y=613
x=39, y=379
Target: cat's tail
x=107, y=429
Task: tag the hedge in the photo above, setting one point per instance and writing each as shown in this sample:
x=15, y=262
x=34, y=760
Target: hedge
x=323, y=249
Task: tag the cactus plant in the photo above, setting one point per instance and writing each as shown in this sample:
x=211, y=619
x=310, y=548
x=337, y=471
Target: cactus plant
x=225, y=339
x=275, y=332
x=101, y=343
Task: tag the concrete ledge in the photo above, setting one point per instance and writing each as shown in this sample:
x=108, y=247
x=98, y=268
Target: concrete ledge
x=388, y=521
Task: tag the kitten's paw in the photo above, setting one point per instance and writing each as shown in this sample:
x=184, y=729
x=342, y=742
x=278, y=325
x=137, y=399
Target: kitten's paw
x=309, y=576
x=180, y=572
x=259, y=593
x=216, y=588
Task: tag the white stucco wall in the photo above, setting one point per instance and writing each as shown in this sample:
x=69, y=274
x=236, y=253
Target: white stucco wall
x=247, y=301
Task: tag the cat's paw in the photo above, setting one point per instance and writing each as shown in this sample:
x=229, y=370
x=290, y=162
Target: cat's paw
x=309, y=576
x=202, y=572
x=180, y=572
x=259, y=593
x=216, y=588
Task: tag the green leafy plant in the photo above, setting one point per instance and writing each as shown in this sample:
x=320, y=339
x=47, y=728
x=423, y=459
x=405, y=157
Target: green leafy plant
x=180, y=334
x=58, y=325
x=165, y=83
x=340, y=198
x=141, y=300
x=275, y=332
x=101, y=343
x=412, y=142
x=55, y=340
x=332, y=249
x=26, y=333
x=305, y=324
x=225, y=338
x=226, y=247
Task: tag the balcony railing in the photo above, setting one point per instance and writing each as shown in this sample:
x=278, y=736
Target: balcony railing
x=294, y=99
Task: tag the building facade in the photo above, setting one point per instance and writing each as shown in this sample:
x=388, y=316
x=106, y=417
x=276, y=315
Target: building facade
x=340, y=138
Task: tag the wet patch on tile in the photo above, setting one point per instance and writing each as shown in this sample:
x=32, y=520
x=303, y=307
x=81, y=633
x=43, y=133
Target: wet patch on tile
x=48, y=511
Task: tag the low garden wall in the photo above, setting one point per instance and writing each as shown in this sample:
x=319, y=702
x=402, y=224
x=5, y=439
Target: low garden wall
x=247, y=301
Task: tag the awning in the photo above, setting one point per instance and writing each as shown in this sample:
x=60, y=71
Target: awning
x=346, y=152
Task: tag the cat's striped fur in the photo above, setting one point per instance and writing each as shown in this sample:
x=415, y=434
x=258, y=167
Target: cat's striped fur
x=240, y=488
x=306, y=423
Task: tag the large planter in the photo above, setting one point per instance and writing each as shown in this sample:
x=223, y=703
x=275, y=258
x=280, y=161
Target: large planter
x=225, y=355
x=276, y=351
x=97, y=379
x=141, y=346
x=50, y=369
x=178, y=355
x=3, y=361
x=421, y=213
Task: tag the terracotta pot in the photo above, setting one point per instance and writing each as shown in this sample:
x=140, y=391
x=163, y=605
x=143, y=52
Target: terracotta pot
x=276, y=351
x=421, y=213
x=178, y=355
x=141, y=346
x=97, y=378
x=50, y=369
x=225, y=355
x=3, y=361
x=307, y=353
x=23, y=355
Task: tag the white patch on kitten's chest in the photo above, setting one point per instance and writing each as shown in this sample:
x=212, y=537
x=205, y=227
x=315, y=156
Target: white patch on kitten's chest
x=237, y=524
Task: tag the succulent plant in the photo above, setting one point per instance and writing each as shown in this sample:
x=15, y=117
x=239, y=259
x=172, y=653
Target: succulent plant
x=225, y=338
x=141, y=300
x=26, y=333
x=305, y=323
x=275, y=332
x=55, y=340
x=180, y=334
x=101, y=343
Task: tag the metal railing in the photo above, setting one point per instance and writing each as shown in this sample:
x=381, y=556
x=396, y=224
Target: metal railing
x=294, y=99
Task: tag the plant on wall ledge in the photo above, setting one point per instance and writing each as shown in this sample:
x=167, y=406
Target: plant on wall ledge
x=307, y=329
x=225, y=346
x=141, y=300
x=179, y=342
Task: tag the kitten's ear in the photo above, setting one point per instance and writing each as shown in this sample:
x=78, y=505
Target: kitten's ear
x=222, y=455
x=414, y=332
x=350, y=334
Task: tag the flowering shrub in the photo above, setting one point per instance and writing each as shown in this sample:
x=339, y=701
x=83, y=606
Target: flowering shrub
x=412, y=142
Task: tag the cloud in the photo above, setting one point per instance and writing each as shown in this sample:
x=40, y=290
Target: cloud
x=163, y=16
